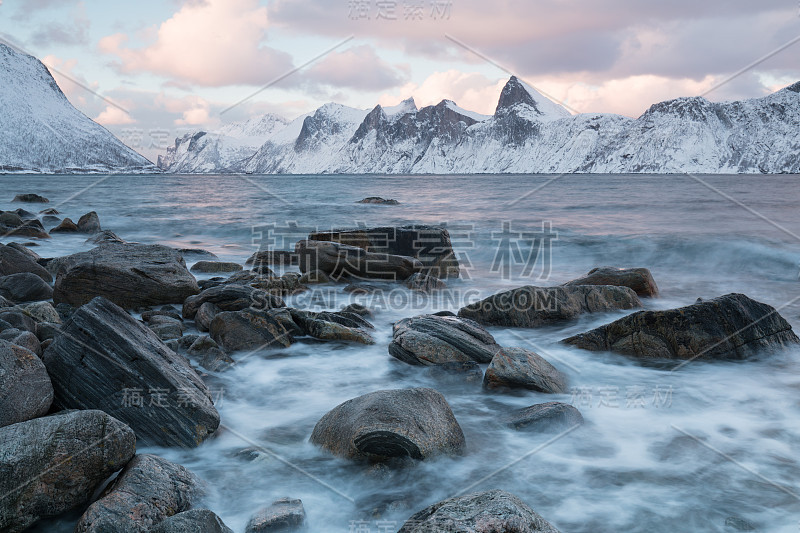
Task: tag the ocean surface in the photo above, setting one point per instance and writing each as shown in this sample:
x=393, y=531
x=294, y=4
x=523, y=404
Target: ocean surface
x=708, y=447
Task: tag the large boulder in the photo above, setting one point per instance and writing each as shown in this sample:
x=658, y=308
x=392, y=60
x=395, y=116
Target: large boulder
x=517, y=368
x=492, y=511
x=728, y=327
x=192, y=521
x=435, y=340
x=13, y=261
x=343, y=261
x=545, y=417
x=89, y=223
x=332, y=326
x=66, y=226
x=232, y=297
x=25, y=388
x=283, y=516
x=25, y=287
x=53, y=464
x=105, y=359
x=530, y=307
x=249, y=330
x=638, y=279
x=431, y=245
x=149, y=490
x=129, y=274
x=416, y=423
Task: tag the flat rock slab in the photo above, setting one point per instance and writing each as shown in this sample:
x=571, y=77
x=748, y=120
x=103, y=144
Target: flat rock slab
x=728, y=327
x=435, y=340
x=215, y=266
x=25, y=388
x=416, y=423
x=283, y=516
x=130, y=275
x=342, y=261
x=545, y=418
x=493, y=511
x=149, y=490
x=530, y=307
x=516, y=368
x=53, y=464
x=638, y=279
x=105, y=359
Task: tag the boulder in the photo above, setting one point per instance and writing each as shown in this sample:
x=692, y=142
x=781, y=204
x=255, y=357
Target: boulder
x=192, y=521
x=12, y=261
x=344, y=261
x=17, y=318
x=25, y=388
x=196, y=252
x=493, y=511
x=166, y=328
x=249, y=330
x=49, y=211
x=24, y=339
x=273, y=257
x=416, y=423
x=25, y=214
x=12, y=224
x=314, y=277
x=47, y=330
x=25, y=287
x=456, y=372
x=215, y=266
x=31, y=198
x=211, y=357
x=205, y=314
x=545, y=418
x=728, y=327
x=434, y=340
x=40, y=311
x=105, y=359
x=89, y=223
x=331, y=326
x=378, y=200
x=66, y=226
x=282, y=516
x=149, y=490
x=429, y=244
x=104, y=237
x=530, y=307
x=59, y=462
x=516, y=368
x=25, y=250
x=162, y=313
x=425, y=283
x=638, y=279
x=232, y=298
x=130, y=275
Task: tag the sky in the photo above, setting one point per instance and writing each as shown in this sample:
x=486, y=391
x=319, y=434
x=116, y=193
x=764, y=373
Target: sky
x=153, y=70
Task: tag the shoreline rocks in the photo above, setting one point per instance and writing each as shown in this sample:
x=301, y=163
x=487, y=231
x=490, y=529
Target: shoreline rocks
x=25, y=388
x=435, y=340
x=209, y=267
x=343, y=261
x=638, y=279
x=284, y=515
x=232, y=297
x=516, y=368
x=550, y=417
x=13, y=261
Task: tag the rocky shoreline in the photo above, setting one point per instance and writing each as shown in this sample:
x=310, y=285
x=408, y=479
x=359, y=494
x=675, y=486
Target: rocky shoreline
x=88, y=381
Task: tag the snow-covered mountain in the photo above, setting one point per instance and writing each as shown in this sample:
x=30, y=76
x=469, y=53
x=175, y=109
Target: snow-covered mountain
x=528, y=133
x=40, y=131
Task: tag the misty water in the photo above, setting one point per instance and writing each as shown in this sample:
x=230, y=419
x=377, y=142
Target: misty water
x=661, y=451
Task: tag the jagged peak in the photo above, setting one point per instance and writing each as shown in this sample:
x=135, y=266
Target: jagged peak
x=403, y=108
x=517, y=93
x=795, y=87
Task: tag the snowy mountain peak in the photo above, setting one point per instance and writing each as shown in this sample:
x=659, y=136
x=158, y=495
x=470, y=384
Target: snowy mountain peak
x=520, y=97
x=794, y=88
x=403, y=108
x=259, y=126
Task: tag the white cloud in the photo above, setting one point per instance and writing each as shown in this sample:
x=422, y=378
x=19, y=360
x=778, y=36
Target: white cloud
x=113, y=116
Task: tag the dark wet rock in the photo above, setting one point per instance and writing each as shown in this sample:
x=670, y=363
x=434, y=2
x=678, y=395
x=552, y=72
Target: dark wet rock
x=12, y=261
x=40, y=311
x=166, y=328
x=25, y=339
x=25, y=250
x=493, y=511
x=25, y=287
x=728, y=327
x=60, y=454
x=516, y=368
x=314, y=277
x=283, y=515
x=25, y=214
x=425, y=283
x=130, y=275
x=416, y=423
x=192, y=521
x=66, y=226
x=232, y=298
x=272, y=257
x=10, y=219
x=429, y=244
x=638, y=279
x=47, y=330
x=11, y=224
x=433, y=340
x=105, y=359
x=51, y=220
x=148, y=490
x=25, y=388
x=205, y=314
x=550, y=417
x=16, y=318
x=457, y=372
x=164, y=311
x=31, y=198
x=358, y=309
x=734, y=523
x=89, y=223
x=211, y=357
x=249, y=330
x=196, y=252
x=378, y=200
x=64, y=310
x=215, y=266
x=49, y=211
x=530, y=307
x=104, y=237
x=331, y=326
x=344, y=261
x=285, y=285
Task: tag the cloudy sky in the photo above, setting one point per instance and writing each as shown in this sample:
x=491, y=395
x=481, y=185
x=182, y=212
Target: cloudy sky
x=151, y=70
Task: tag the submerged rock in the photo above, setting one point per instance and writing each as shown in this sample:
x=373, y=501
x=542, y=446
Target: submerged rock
x=547, y=417
x=53, y=464
x=105, y=359
x=638, y=279
x=342, y=261
x=149, y=490
x=530, y=307
x=25, y=388
x=434, y=340
x=378, y=200
x=728, y=327
x=130, y=275
x=215, y=266
x=494, y=511
x=516, y=368
x=264, y=258
x=192, y=521
x=282, y=516
x=425, y=283
x=31, y=198
x=416, y=423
